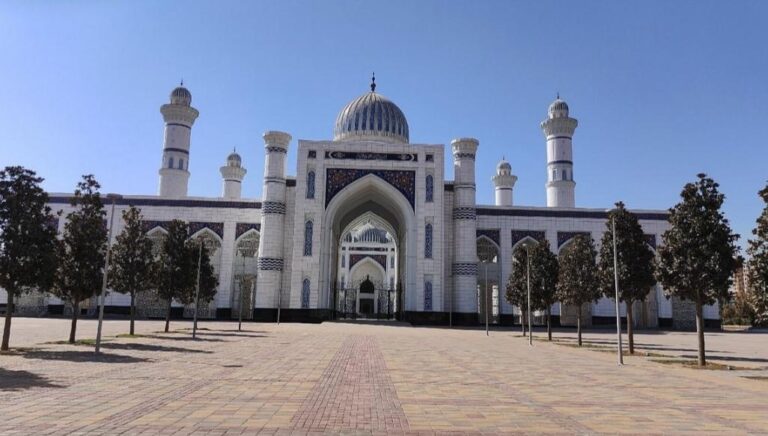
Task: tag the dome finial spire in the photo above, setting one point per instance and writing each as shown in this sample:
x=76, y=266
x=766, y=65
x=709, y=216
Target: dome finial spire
x=558, y=95
x=182, y=82
x=373, y=82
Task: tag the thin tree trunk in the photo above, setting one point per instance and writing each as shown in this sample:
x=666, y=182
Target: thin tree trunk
x=578, y=325
x=630, y=335
x=8, y=316
x=522, y=321
x=133, y=310
x=700, y=332
x=549, y=323
x=73, y=328
x=168, y=315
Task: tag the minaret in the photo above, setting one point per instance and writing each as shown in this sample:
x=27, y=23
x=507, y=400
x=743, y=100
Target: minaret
x=233, y=174
x=270, y=262
x=464, y=299
x=504, y=181
x=179, y=116
x=558, y=129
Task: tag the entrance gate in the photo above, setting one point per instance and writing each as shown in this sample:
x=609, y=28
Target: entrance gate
x=349, y=306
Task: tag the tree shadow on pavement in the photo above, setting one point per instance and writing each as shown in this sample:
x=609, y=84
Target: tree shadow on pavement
x=232, y=334
x=18, y=380
x=728, y=358
x=183, y=338
x=151, y=347
x=80, y=356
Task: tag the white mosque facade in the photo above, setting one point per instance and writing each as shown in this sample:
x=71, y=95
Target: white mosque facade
x=369, y=227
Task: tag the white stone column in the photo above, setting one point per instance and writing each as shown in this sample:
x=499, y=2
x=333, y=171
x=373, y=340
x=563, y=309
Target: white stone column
x=179, y=116
x=558, y=128
x=271, y=258
x=464, y=268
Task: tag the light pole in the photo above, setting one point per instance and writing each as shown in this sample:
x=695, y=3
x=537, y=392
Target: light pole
x=102, y=297
x=616, y=287
x=485, y=295
x=197, y=288
x=528, y=273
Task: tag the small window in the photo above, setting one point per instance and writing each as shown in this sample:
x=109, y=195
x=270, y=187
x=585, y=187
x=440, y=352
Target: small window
x=428, y=296
x=343, y=261
x=308, y=238
x=170, y=162
x=392, y=262
x=311, y=185
x=305, y=294
x=429, y=188
x=181, y=164
x=428, y=241
x=554, y=174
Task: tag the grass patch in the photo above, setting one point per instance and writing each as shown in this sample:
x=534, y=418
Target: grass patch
x=690, y=363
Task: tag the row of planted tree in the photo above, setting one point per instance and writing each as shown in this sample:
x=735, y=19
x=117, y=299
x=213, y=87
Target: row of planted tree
x=695, y=262
x=33, y=258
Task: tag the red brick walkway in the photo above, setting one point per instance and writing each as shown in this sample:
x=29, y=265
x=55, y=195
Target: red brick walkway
x=355, y=392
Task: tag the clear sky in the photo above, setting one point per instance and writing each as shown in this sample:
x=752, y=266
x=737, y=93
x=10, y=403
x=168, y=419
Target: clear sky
x=662, y=90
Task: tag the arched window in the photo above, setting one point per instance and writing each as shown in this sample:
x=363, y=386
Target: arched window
x=305, y=294
x=308, y=238
x=343, y=261
x=427, y=295
x=391, y=262
x=554, y=174
x=170, y=162
x=429, y=186
x=428, y=241
x=311, y=184
x=565, y=175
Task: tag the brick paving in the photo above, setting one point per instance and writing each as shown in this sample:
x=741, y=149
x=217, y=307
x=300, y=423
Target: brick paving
x=366, y=379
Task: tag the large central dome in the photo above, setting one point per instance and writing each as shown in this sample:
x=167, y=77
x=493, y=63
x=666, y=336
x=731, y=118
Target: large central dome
x=371, y=116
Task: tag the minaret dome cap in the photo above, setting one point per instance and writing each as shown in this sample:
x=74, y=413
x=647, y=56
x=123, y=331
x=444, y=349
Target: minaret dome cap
x=181, y=95
x=558, y=108
x=504, y=168
x=234, y=159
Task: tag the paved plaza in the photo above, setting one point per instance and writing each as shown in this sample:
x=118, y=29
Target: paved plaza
x=363, y=379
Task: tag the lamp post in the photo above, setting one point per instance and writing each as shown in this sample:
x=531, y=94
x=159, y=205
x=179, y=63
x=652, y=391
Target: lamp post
x=197, y=288
x=102, y=297
x=616, y=287
x=485, y=295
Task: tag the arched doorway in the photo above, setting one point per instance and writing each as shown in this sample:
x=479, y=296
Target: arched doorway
x=488, y=280
x=366, y=198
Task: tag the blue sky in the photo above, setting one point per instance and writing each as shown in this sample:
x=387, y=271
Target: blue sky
x=662, y=90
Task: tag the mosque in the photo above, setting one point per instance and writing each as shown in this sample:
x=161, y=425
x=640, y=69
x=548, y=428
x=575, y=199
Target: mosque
x=369, y=227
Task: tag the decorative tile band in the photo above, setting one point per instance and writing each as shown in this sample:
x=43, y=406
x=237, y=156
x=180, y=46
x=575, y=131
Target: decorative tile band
x=464, y=213
x=273, y=207
x=572, y=213
x=465, y=269
x=242, y=228
x=270, y=264
x=170, y=202
x=563, y=237
x=196, y=226
x=519, y=235
x=403, y=157
x=276, y=150
x=492, y=234
x=148, y=225
x=381, y=259
x=464, y=156
x=337, y=179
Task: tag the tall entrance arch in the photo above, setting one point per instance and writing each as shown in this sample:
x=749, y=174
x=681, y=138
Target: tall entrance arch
x=369, y=196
